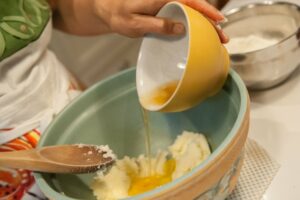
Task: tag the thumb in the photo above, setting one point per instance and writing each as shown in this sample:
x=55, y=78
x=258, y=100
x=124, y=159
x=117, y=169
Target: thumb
x=147, y=24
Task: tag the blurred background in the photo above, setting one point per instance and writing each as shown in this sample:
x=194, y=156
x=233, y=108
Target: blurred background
x=91, y=59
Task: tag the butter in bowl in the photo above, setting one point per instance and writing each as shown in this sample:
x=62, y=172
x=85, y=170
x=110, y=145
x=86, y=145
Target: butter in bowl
x=264, y=44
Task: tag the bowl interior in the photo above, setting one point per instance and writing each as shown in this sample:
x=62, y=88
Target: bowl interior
x=273, y=22
x=162, y=59
x=110, y=113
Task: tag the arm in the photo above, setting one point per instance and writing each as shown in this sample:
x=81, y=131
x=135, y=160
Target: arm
x=131, y=18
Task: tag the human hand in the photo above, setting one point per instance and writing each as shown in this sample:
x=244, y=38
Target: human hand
x=134, y=18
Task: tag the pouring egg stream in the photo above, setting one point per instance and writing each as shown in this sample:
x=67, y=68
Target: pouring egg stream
x=133, y=176
x=142, y=184
x=157, y=81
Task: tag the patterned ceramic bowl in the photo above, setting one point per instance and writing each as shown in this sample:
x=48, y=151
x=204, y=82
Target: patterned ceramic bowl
x=110, y=113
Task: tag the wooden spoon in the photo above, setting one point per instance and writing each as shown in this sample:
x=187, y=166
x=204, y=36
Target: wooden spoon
x=59, y=159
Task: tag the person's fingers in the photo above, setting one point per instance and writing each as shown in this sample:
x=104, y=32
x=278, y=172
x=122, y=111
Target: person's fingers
x=142, y=22
x=205, y=8
x=140, y=25
x=223, y=37
x=152, y=7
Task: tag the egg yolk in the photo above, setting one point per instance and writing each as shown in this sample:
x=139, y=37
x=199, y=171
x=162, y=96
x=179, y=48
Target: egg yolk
x=162, y=94
x=144, y=184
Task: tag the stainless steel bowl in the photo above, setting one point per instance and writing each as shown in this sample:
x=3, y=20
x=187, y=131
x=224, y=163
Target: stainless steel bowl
x=268, y=66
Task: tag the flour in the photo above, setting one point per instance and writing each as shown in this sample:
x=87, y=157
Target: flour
x=249, y=43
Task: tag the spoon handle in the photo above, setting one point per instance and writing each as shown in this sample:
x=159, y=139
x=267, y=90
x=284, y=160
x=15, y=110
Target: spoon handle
x=26, y=159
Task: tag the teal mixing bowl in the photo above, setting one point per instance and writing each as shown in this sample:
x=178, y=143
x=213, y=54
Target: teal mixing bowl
x=109, y=113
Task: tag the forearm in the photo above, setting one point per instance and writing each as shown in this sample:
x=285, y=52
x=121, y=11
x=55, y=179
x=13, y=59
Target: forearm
x=77, y=17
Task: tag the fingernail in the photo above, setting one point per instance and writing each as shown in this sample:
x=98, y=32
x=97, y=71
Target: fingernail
x=178, y=28
x=224, y=20
x=221, y=15
x=219, y=26
x=226, y=38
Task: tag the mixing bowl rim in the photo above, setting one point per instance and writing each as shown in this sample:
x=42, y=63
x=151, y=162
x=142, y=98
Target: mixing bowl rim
x=257, y=4
x=51, y=193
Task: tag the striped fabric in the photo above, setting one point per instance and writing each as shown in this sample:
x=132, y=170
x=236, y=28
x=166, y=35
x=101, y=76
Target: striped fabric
x=15, y=184
x=19, y=184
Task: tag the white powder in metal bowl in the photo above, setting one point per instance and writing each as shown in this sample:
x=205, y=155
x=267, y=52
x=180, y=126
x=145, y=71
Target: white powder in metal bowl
x=249, y=43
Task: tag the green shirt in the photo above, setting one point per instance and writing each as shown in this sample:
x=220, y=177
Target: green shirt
x=21, y=22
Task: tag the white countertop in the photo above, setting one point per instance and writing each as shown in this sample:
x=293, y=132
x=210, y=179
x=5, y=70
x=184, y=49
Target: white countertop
x=275, y=125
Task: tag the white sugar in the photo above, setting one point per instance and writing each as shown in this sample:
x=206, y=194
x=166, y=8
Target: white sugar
x=80, y=145
x=107, y=152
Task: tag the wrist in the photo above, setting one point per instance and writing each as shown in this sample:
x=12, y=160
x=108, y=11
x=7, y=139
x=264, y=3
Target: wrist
x=90, y=18
x=78, y=17
x=53, y=4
